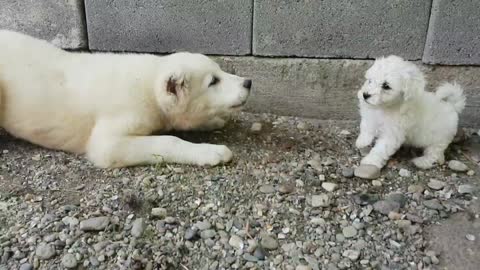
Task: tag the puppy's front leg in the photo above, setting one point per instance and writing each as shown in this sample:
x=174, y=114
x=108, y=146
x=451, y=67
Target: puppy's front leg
x=368, y=129
x=385, y=147
x=109, y=151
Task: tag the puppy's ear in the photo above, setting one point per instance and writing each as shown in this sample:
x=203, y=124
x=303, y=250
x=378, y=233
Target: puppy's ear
x=176, y=85
x=414, y=83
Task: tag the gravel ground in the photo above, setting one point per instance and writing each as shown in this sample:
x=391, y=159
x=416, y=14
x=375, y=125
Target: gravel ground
x=288, y=201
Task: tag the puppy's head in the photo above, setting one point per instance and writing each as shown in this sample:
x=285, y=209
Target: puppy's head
x=391, y=81
x=192, y=89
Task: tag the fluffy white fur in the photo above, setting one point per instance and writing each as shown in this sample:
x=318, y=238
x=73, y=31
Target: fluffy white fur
x=396, y=110
x=105, y=105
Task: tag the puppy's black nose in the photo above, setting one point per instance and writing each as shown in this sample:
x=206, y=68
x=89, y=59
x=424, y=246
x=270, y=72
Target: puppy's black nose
x=247, y=84
x=366, y=95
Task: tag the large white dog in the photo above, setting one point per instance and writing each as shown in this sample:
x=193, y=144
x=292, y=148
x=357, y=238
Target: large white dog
x=396, y=109
x=106, y=105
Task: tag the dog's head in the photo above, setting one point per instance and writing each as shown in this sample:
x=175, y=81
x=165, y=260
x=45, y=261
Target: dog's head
x=192, y=89
x=391, y=81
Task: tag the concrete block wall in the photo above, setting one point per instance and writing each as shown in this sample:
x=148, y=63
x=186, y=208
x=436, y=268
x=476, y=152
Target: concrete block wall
x=306, y=57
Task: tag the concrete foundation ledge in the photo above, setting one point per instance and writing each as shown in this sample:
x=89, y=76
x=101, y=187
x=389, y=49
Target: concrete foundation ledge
x=326, y=89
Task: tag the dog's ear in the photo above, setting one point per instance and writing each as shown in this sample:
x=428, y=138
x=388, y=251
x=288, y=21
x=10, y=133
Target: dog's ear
x=414, y=83
x=175, y=85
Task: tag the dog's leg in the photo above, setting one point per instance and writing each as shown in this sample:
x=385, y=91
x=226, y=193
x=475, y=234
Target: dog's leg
x=385, y=147
x=432, y=154
x=367, y=133
x=109, y=151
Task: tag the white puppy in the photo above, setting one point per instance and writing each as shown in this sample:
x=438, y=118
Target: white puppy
x=106, y=105
x=396, y=109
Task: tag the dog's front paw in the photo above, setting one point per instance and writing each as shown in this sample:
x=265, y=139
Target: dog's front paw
x=363, y=141
x=372, y=160
x=212, y=155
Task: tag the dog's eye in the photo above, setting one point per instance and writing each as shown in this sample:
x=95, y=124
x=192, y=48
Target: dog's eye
x=385, y=86
x=214, y=81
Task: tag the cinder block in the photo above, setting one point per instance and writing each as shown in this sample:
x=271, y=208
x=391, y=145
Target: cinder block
x=454, y=33
x=326, y=89
x=205, y=26
x=60, y=22
x=340, y=28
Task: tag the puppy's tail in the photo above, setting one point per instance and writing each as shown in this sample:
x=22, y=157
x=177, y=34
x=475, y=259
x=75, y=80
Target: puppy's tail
x=453, y=94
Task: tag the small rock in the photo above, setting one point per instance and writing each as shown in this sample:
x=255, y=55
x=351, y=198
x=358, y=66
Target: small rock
x=385, y=207
x=94, y=224
x=260, y=253
x=414, y=218
x=457, y=166
x=329, y=186
x=470, y=237
x=191, y=233
x=415, y=189
x=269, y=243
x=376, y=183
x=397, y=197
x=70, y=221
x=433, y=204
x=203, y=225
x=267, y=189
x=25, y=266
x=316, y=163
x=351, y=254
x=366, y=171
x=365, y=198
x=138, y=227
x=303, y=267
x=404, y=173
x=466, y=189
x=45, y=251
x=349, y=232
x=322, y=200
x=347, y=172
x=236, y=242
x=69, y=261
x=256, y=127
x=302, y=125
x=328, y=161
x=207, y=234
x=436, y=184
x=159, y=212
x=471, y=173
x=286, y=188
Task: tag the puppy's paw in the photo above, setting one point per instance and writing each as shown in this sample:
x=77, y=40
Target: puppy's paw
x=363, y=141
x=212, y=155
x=423, y=162
x=372, y=160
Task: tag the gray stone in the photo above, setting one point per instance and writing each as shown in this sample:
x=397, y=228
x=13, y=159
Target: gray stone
x=159, y=212
x=366, y=171
x=329, y=186
x=45, y=251
x=211, y=27
x=397, y=197
x=404, y=173
x=267, y=189
x=433, y=204
x=269, y=243
x=94, y=224
x=69, y=261
x=349, y=232
x=138, y=227
x=322, y=200
x=385, y=207
x=207, y=234
x=332, y=28
x=436, y=184
x=326, y=89
x=453, y=33
x=203, y=225
x=457, y=166
x=236, y=242
x=347, y=172
x=25, y=266
x=351, y=254
x=260, y=253
x=59, y=22
x=466, y=189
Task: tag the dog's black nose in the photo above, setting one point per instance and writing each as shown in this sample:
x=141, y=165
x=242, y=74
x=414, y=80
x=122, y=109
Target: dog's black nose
x=247, y=84
x=366, y=95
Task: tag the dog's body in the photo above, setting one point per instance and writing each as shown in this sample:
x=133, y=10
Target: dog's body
x=396, y=109
x=106, y=105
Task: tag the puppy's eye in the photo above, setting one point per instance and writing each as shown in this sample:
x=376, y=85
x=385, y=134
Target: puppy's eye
x=385, y=86
x=214, y=81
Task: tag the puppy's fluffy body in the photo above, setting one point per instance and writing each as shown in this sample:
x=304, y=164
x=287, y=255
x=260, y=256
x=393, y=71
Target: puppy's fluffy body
x=396, y=110
x=106, y=105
